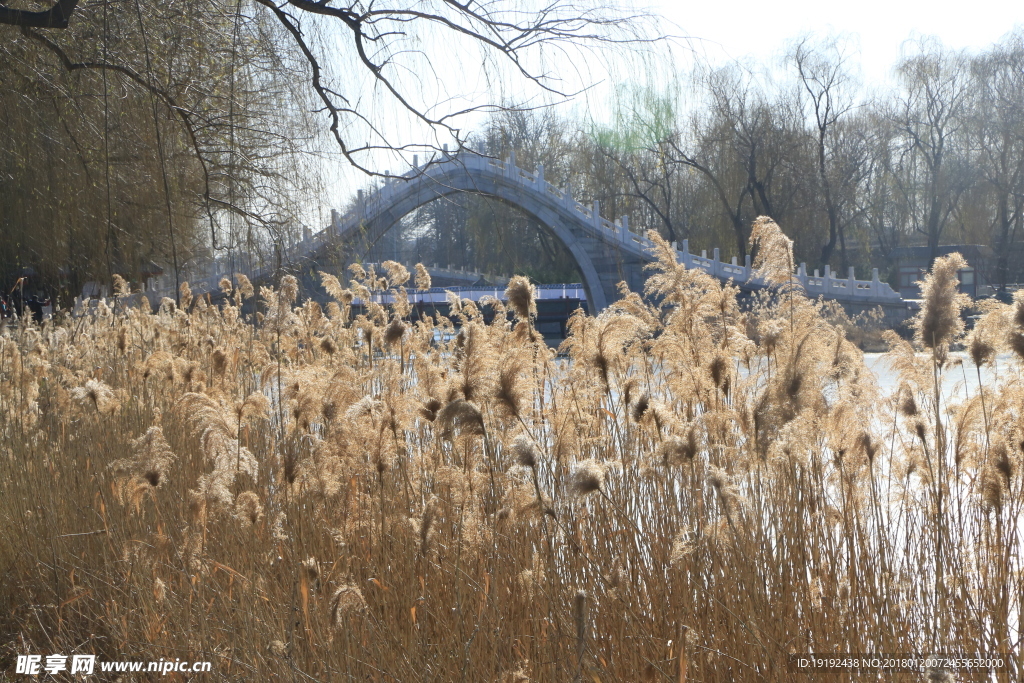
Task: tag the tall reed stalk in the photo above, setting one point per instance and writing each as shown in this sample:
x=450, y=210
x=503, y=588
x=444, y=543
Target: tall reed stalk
x=693, y=491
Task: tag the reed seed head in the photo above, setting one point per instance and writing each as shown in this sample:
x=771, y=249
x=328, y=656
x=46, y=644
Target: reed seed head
x=675, y=450
x=289, y=289
x=159, y=591
x=1015, y=341
x=121, y=288
x=868, y=445
x=1002, y=462
x=248, y=508
x=580, y=612
x=641, y=406
x=992, y=490
x=462, y=415
x=525, y=451
x=939, y=321
x=394, y=332
x=1018, y=308
x=774, y=260
x=907, y=404
x=430, y=408
x=920, y=430
x=348, y=600
x=588, y=478
x=98, y=396
x=245, y=288
x=185, y=295
x=509, y=392
x=398, y=274
x=220, y=362
x=937, y=675
x=980, y=350
x=422, y=278
x=311, y=568
x=521, y=297
x=719, y=369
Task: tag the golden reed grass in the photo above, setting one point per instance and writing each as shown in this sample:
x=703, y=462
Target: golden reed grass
x=692, y=493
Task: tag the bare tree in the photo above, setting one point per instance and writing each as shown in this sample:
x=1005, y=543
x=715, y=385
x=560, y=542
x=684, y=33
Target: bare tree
x=879, y=204
x=164, y=132
x=822, y=69
x=931, y=112
x=738, y=143
x=235, y=85
x=388, y=42
x=639, y=145
x=998, y=134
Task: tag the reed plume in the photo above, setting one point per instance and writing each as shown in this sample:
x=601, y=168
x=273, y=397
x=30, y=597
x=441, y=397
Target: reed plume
x=398, y=274
x=185, y=295
x=774, y=260
x=422, y=278
x=97, y=396
x=521, y=297
x=939, y=321
x=121, y=288
x=245, y=289
x=461, y=415
x=588, y=478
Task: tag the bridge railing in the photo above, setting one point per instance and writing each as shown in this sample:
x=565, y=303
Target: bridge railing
x=439, y=295
x=815, y=285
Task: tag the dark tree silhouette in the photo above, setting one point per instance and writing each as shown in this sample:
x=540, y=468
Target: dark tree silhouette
x=55, y=17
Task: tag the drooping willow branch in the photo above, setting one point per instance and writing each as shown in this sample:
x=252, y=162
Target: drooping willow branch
x=183, y=113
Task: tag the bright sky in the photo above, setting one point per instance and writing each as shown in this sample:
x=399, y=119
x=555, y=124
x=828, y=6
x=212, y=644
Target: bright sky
x=761, y=30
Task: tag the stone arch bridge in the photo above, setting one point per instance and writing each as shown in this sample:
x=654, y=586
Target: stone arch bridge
x=605, y=252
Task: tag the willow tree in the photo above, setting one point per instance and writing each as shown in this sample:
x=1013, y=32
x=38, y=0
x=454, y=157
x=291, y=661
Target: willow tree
x=185, y=128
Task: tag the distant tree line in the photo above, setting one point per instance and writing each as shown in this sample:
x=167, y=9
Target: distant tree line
x=936, y=159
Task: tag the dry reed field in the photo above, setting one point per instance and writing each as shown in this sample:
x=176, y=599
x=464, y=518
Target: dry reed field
x=691, y=492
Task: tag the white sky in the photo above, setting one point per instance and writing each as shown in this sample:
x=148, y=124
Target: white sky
x=738, y=29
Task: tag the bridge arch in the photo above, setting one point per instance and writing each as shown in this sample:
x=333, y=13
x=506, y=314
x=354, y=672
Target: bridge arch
x=596, y=245
x=377, y=223
x=381, y=223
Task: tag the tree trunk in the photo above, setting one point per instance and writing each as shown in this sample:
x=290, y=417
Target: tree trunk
x=934, y=229
x=830, y=207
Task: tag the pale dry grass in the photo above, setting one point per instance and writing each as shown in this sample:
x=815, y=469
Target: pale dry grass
x=694, y=493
